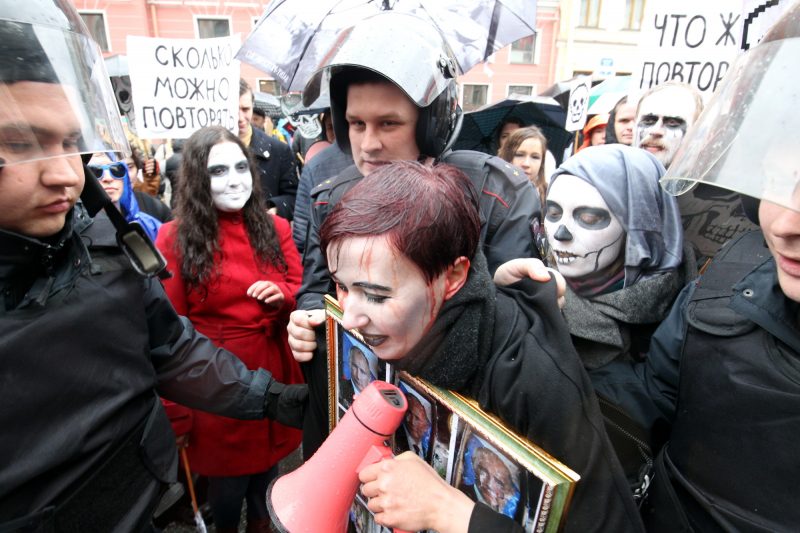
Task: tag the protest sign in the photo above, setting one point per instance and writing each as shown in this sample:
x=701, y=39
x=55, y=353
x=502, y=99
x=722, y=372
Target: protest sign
x=697, y=42
x=181, y=85
x=689, y=41
x=578, y=103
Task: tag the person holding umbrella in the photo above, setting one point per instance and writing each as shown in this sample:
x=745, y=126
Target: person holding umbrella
x=388, y=107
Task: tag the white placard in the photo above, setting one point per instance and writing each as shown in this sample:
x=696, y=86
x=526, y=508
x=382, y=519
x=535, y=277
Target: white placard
x=697, y=42
x=578, y=103
x=689, y=41
x=182, y=85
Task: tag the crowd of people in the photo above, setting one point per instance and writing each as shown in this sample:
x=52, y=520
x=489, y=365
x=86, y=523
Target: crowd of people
x=648, y=341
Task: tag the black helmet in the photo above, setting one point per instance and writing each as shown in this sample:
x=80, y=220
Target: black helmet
x=424, y=69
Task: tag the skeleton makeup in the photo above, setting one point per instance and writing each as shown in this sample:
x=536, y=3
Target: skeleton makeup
x=584, y=234
x=662, y=121
x=231, y=180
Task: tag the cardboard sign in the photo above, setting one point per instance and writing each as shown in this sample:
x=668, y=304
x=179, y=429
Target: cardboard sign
x=697, y=42
x=578, y=103
x=182, y=85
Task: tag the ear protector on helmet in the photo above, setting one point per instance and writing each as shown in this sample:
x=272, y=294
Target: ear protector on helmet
x=437, y=124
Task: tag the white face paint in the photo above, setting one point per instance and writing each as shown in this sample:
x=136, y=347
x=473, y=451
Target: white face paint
x=231, y=180
x=584, y=234
x=663, y=119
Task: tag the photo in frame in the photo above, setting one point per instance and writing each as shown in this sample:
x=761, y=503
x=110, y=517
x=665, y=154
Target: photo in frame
x=469, y=448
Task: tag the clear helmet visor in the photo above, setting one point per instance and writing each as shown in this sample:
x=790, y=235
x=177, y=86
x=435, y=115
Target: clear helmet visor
x=56, y=97
x=747, y=139
x=425, y=69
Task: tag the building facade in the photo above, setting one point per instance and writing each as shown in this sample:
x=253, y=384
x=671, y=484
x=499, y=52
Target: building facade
x=598, y=37
x=526, y=67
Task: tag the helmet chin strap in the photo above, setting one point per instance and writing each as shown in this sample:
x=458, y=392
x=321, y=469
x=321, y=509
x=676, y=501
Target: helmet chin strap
x=131, y=237
x=456, y=130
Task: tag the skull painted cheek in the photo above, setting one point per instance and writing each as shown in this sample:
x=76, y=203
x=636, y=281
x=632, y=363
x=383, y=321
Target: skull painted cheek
x=583, y=233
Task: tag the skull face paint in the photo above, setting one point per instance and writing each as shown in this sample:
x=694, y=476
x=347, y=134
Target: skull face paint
x=231, y=180
x=584, y=234
x=577, y=104
x=662, y=121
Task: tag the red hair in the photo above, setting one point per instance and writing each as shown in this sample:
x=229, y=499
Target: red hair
x=429, y=214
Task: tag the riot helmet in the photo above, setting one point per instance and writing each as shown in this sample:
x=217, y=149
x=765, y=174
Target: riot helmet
x=57, y=98
x=746, y=139
x=406, y=51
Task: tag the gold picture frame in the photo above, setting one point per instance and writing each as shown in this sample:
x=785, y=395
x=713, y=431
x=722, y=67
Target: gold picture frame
x=471, y=449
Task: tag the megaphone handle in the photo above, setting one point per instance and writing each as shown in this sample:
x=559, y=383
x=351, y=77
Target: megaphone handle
x=373, y=455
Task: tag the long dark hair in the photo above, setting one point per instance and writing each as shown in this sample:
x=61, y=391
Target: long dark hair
x=197, y=222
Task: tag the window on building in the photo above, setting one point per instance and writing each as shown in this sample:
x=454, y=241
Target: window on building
x=522, y=50
x=590, y=13
x=634, y=12
x=96, y=22
x=269, y=86
x=213, y=27
x=475, y=96
x=526, y=90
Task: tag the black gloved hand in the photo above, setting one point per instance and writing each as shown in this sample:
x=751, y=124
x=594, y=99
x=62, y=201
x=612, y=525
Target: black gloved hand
x=286, y=403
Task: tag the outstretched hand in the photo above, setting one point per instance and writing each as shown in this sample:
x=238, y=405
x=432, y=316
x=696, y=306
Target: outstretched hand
x=302, y=339
x=527, y=267
x=407, y=493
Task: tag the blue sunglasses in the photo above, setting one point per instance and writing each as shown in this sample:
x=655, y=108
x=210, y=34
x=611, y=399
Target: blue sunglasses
x=117, y=170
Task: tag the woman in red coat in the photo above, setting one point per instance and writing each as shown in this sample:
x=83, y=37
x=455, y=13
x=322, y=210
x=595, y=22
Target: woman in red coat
x=235, y=272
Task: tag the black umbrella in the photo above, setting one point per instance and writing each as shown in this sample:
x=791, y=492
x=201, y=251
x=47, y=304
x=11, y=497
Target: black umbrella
x=559, y=91
x=480, y=128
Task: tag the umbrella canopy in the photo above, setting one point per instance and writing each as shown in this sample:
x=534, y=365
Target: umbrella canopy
x=559, y=91
x=117, y=65
x=480, y=128
x=292, y=38
x=604, y=96
x=269, y=103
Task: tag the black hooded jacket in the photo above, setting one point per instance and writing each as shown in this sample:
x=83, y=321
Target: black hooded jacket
x=510, y=349
x=86, y=343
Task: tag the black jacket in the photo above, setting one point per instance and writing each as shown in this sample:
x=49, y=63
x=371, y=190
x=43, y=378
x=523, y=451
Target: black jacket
x=277, y=170
x=510, y=212
x=510, y=349
x=86, y=343
x=724, y=370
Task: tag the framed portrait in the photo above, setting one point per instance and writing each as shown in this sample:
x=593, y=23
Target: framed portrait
x=469, y=448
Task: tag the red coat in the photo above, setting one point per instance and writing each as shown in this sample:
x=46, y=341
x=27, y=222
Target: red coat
x=256, y=333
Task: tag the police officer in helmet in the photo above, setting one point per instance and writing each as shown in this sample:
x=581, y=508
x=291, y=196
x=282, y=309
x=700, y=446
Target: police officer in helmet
x=724, y=367
x=87, y=336
x=393, y=91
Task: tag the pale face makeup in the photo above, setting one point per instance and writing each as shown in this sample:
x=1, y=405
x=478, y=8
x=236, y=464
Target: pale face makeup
x=663, y=119
x=231, y=180
x=383, y=295
x=584, y=234
x=529, y=157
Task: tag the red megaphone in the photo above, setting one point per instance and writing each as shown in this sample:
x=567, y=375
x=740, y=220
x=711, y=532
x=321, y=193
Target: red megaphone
x=317, y=496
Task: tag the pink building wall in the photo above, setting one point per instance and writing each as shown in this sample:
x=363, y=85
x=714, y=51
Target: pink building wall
x=172, y=19
x=500, y=73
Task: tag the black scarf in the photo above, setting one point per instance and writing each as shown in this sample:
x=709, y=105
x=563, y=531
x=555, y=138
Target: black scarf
x=454, y=352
